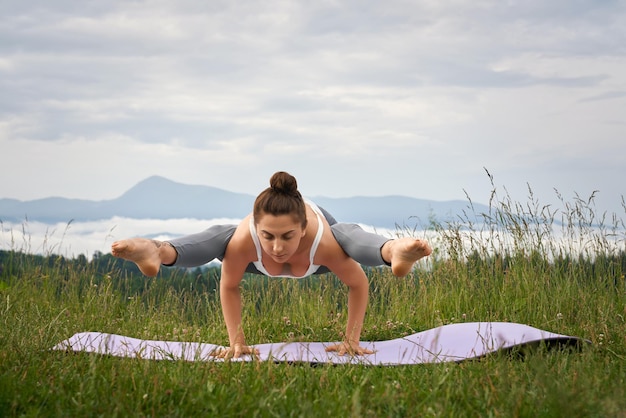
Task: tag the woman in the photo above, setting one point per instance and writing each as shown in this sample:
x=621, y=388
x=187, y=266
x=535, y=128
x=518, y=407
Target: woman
x=285, y=237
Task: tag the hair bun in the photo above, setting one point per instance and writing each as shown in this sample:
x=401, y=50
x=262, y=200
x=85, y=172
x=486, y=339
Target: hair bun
x=284, y=183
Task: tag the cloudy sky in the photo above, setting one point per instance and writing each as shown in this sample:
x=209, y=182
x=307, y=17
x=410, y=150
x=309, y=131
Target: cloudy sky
x=357, y=97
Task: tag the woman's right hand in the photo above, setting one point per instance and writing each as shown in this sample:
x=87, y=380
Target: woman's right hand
x=352, y=349
x=235, y=352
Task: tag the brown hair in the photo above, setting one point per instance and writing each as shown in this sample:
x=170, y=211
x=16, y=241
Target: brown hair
x=281, y=198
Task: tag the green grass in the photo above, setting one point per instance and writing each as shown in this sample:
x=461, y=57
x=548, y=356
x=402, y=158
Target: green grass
x=520, y=266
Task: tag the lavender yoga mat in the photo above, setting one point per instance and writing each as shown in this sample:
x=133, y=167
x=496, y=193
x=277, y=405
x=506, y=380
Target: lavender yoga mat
x=453, y=342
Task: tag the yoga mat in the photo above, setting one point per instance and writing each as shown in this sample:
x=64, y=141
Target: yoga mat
x=448, y=343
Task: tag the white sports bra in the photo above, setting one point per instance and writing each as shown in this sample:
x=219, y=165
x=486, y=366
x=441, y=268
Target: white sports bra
x=318, y=237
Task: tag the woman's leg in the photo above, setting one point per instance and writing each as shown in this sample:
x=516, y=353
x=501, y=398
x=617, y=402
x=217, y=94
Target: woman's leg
x=189, y=251
x=198, y=249
x=362, y=246
x=371, y=249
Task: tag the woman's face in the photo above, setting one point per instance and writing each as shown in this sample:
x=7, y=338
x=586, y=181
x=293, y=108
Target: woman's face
x=279, y=236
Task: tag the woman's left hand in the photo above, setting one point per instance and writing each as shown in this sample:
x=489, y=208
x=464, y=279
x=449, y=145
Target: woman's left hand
x=353, y=349
x=235, y=352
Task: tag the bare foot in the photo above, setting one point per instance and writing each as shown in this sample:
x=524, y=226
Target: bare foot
x=404, y=252
x=141, y=251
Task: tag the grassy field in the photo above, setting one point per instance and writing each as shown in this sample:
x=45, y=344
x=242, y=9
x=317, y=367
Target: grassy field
x=517, y=263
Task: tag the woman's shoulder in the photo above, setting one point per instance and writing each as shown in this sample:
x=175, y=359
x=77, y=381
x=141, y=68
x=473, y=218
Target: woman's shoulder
x=241, y=242
x=329, y=251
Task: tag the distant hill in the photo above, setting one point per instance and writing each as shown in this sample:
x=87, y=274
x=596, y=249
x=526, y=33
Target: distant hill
x=159, y=198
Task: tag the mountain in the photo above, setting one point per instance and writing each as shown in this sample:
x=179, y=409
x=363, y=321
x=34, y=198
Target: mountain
x=159, y=198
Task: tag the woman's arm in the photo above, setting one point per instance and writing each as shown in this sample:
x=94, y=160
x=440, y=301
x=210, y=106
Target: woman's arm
x=230, y=297
x=233, y=268
x=351, y=273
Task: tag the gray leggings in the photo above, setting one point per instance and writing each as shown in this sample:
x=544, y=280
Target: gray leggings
x=198, y=249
